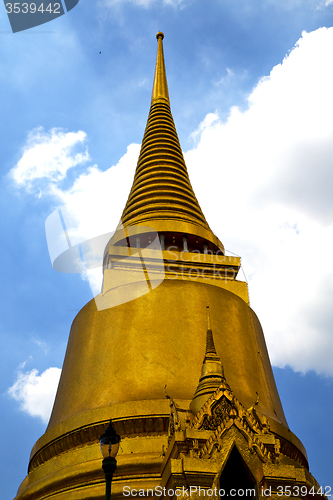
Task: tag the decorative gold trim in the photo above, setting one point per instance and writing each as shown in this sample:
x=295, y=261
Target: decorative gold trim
x=130, y=427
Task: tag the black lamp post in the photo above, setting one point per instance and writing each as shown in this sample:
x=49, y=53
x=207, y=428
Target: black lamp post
x=109, y=442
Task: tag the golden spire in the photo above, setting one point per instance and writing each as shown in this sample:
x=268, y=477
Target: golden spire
x=162, y=197
x=212, y=375
x=148, y=346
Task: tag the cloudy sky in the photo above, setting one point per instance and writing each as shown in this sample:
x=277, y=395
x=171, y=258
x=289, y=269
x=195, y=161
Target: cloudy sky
x=250, y=84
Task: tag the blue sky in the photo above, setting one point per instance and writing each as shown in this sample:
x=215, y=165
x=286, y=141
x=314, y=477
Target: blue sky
x=250, y=86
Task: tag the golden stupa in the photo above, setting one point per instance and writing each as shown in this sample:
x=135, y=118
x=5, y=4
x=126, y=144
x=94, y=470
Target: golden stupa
x=170, y=351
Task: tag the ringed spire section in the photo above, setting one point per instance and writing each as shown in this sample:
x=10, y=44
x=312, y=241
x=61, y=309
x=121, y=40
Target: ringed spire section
x=162, y=197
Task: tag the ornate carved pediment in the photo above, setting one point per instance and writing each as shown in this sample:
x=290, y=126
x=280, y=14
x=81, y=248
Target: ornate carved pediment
x=214, y=444
x=220, y=406
x=221, y=412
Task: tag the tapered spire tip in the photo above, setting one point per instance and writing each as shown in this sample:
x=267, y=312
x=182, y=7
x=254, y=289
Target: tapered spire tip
x=160, y=87
x=208, y=318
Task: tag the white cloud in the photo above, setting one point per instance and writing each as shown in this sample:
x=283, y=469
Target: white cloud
x=209, y=121
x=41, y=343
x=48, y=155
x=94, y=204
x=225, y=79
x=22, y=365
x=36, y=393
x=96, y=199
x=269, y=171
